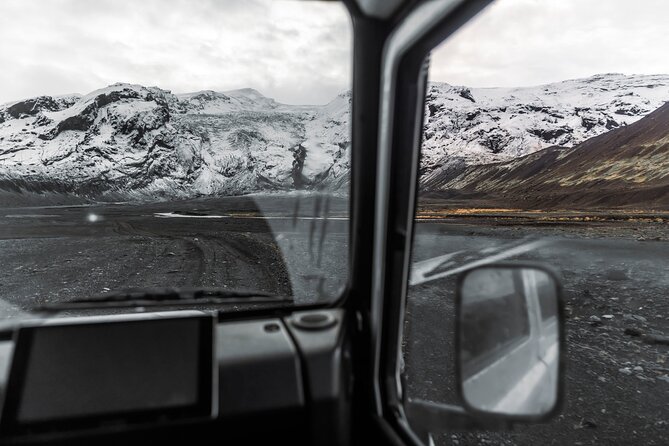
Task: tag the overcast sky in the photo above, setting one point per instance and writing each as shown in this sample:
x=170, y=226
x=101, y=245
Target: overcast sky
x=300, y=52
x=296, y=52
x=530, y=42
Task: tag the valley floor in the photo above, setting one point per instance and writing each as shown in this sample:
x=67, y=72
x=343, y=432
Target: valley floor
x=617, y=382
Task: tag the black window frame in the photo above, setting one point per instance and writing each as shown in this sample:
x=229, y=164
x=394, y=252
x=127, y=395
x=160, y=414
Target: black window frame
x=402, y=102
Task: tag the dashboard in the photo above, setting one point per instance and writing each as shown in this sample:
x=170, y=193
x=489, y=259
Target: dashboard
x=85, y=378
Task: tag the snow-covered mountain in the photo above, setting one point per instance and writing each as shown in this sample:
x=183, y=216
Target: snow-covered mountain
x=625, y=167
x=144, y=142
x=472, y=126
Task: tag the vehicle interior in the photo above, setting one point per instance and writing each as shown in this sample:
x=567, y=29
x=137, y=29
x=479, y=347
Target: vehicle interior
x=304, y=358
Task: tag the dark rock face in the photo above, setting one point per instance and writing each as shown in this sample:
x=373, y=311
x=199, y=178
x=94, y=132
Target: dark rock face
x=549, y=135
x=299, y=155
x=137, y=127
x=496, y=140
x=589, y=123
x=115, y=96
x=472, y=115
x=537, y=108
x=83, y=120
x=611, y=124
x=77, y=122
x=467, y=94
x=629, y=110
x=36, y=106
x=42, y=121
x=31, y=107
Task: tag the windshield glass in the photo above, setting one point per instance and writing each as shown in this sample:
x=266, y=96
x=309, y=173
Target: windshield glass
x=187, y=144
x=545, y=141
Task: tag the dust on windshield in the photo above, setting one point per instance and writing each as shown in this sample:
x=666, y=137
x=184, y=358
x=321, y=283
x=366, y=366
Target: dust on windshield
x=173, y=144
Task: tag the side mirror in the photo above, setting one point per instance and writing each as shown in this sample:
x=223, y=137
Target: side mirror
x=509, y=341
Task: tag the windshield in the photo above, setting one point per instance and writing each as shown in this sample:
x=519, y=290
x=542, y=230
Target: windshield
x=184, y=144
x=545, y=141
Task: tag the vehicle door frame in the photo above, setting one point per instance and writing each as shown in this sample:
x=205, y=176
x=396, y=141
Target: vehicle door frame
x=389, y=88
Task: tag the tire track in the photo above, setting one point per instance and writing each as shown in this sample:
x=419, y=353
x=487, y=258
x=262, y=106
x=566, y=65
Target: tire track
x=195, y=250
x=225, y=259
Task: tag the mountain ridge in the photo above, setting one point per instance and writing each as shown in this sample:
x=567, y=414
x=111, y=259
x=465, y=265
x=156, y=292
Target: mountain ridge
x=146, y=143
x=626, y=167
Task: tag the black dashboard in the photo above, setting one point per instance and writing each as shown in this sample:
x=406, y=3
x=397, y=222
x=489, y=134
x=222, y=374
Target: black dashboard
x=139, y=376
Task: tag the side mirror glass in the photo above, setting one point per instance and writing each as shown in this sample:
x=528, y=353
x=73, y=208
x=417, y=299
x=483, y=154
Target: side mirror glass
x=509, y=341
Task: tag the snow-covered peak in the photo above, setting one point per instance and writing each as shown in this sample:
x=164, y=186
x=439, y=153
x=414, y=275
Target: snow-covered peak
x=249, y=93
x=248, y=97
x=212, y=102
x=483, y=125
x=598, y=90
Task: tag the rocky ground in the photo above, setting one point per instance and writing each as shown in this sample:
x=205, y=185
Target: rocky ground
x=57, y=253
x=616, y=287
